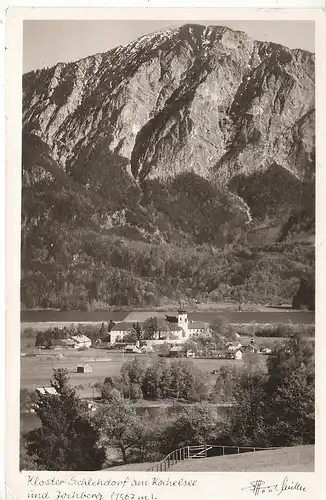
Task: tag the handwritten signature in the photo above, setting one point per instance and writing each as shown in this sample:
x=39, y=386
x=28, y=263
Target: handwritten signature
x=259, y=487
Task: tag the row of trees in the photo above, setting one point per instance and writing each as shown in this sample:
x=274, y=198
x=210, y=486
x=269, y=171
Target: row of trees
x=270, y=409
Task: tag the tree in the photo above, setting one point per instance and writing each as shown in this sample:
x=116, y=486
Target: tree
x=277, y=408
x=219, y=329
x=219, y=325
x=155, y=327
x=132, y=375
x=137, y=331
x=121, y=427
x=247, y=420
x=197, y=425
x=290, y=390
x=68, y=438
x=225, y=384
x=305, y=296
x=149, y=328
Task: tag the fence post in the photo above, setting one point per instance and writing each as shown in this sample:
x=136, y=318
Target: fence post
x=238, y=450
x=168, y=462
x=188, y=453
x=223, y=450
x=205, y=450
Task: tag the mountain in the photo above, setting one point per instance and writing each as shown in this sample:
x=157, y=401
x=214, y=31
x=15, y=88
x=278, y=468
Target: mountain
x=196, y=137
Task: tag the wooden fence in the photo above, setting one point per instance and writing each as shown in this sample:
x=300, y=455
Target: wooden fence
x=202, y=451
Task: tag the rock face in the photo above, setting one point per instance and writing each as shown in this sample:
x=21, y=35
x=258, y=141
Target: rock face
x=203, y=99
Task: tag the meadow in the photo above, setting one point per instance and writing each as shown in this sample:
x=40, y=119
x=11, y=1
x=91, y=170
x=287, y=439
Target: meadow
x=37, y=369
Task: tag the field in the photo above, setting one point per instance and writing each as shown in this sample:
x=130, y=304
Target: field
x=37, y=369
x=293, y=459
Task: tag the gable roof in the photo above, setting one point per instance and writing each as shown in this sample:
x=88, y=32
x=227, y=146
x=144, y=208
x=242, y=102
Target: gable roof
x=80, y=338
x=250, y=346
x=122, y=327
x=132, y=347
x=178, y=348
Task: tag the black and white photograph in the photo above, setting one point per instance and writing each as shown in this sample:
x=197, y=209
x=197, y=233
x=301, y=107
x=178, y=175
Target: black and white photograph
x=167, y=281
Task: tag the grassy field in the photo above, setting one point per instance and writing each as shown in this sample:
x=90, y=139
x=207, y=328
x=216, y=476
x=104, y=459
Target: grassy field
x=37, y=369
x=293, y=459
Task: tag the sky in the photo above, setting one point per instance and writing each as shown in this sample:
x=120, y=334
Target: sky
x=47, y=43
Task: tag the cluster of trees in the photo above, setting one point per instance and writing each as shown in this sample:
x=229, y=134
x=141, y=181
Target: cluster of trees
x=273, y=408
x=284, y=330
x=94, y=332
x=179, y=379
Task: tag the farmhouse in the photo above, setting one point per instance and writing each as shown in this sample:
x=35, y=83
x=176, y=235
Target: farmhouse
x=81, y=341
x=252, y=348
x=84, y=368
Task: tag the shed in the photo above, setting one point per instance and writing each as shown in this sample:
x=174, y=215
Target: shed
x=84, y=368
x=81, y=341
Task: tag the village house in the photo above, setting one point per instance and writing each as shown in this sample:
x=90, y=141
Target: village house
x=251, y=348
x=233, y=346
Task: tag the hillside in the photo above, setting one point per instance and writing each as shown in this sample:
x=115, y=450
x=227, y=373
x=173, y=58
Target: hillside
x=178, y=166
x=293, y=459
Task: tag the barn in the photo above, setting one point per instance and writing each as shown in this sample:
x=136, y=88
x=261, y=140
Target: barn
x=84, y=368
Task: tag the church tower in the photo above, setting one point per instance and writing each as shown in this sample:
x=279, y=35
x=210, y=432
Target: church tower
x=183, y=319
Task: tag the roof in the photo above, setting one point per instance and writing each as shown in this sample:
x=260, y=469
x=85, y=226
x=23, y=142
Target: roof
x=177, y=348
x=122, y=327
x=80, y=338
x=47, y=390
x=254, y=347
x=141, y=316
x=171, y=319
x=196, y=325
x=84, y=366
x=131, y=347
